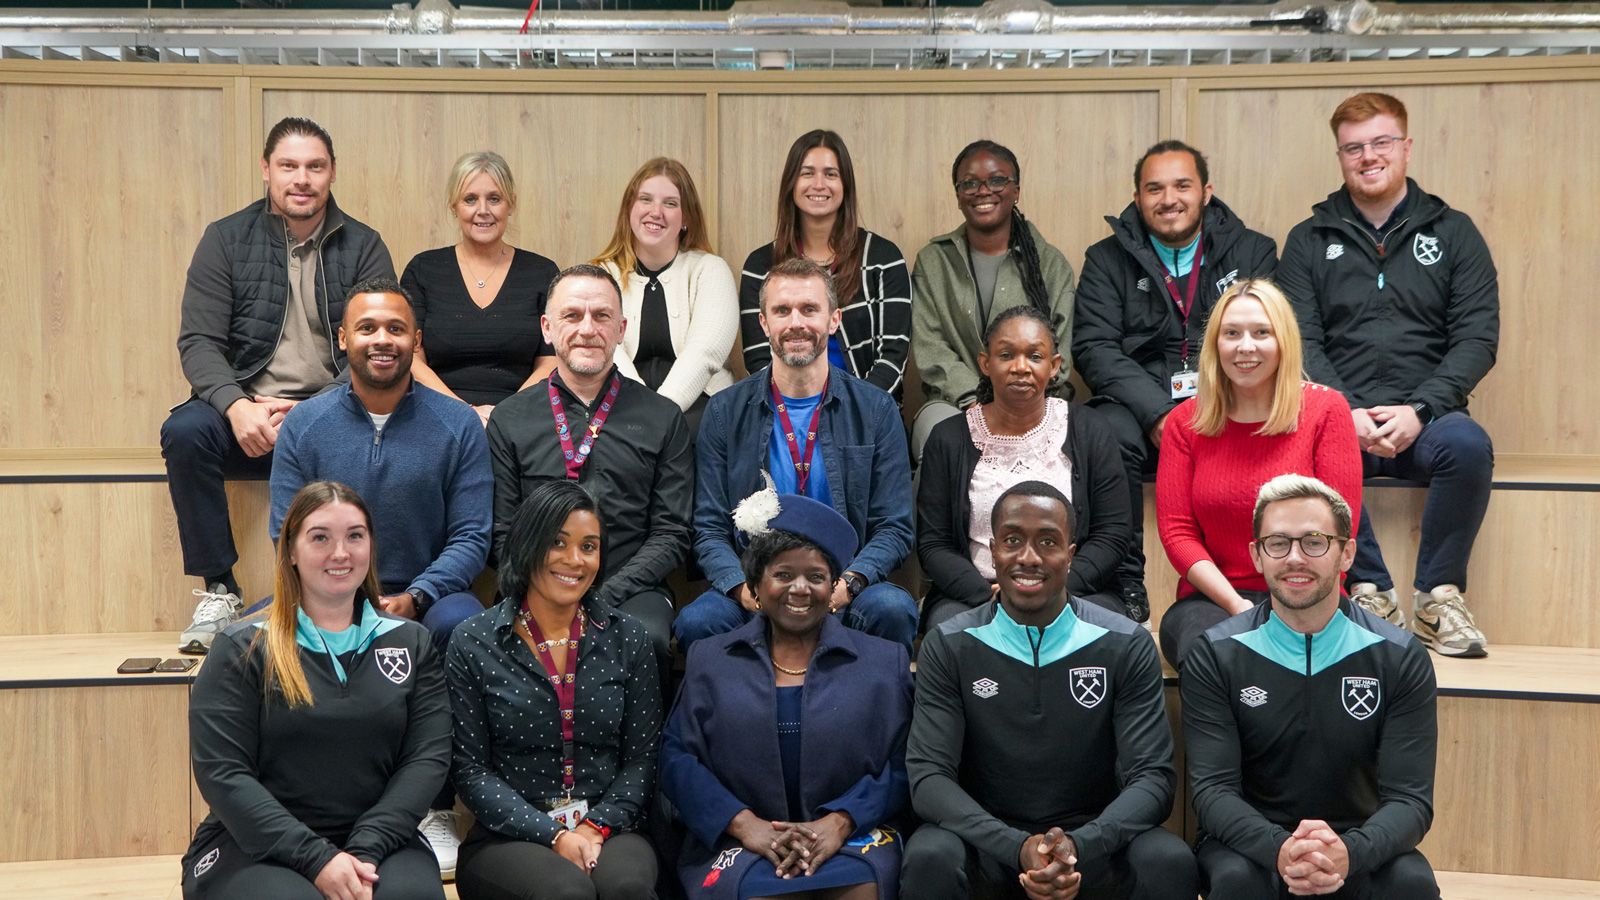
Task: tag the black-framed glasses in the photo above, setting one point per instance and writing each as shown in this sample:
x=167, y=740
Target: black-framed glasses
x=995, y=183
x=1312, y=544
x=1380, y=145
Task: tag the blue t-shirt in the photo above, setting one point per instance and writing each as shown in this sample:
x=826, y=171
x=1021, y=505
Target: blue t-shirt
x=836, y=353
x=781, y=464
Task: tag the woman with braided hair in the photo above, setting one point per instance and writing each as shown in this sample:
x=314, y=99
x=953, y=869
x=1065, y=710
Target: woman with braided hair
x=997, y=259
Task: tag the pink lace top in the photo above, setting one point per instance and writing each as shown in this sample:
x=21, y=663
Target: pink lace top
x=1008, y=460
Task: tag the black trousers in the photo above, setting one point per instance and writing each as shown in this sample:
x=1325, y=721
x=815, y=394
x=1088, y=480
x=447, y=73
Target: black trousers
x=228, y=873
x=1190, y=617
x=492, y=867
x=1139, y=458
x=939, y=865
x=197, y=443
x=1230, y=876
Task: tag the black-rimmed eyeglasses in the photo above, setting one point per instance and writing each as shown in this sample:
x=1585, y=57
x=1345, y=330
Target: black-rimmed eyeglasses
x=1312, y=544
x=996, y=183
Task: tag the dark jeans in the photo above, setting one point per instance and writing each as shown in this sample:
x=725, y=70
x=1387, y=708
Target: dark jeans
x=1139, y=458
x=1230, y=876
x=655, y=610
x=1455, y=458
x=492, y=867
x=938, y=865
x=197, y=443
x=1191, y=617
x=882, y=610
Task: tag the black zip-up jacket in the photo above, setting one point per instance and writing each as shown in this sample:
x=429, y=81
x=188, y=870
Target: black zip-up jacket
x=1017, y=730
x=1340, y=726
x=1127, y=335
x=1415, y=318
x=354, y=771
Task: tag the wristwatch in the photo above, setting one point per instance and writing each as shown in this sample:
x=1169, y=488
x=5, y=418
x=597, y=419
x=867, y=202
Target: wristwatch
x=854, y=584
x=1424, y=412
x=419, y=599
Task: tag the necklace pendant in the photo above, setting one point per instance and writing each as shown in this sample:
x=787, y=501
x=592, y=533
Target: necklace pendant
x=481, y=284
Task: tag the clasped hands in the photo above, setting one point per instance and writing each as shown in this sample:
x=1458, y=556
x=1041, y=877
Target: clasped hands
x=1386, y=431
x=794, y=848
x=1049, y=864
x=1314, y=860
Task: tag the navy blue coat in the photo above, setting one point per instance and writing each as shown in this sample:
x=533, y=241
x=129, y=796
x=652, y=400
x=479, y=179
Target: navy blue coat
x=720, y=753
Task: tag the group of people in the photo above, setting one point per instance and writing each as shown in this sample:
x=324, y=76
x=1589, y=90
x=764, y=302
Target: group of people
x=580, y=430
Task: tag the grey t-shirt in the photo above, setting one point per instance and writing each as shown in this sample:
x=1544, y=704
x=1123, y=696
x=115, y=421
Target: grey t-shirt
x=303, y=361
x=985, y=270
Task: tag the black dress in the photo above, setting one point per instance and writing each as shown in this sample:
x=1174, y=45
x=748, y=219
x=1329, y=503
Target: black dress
x=482, y=354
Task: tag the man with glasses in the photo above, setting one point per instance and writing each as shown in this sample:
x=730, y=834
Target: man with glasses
x=1399, y=308
x=1310, y=725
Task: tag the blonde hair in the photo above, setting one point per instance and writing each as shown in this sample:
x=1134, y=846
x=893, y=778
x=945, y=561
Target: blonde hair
x=1215, y=399
x=619, y=254
x=282, y=669
x=481, y=162
x=1295, y=487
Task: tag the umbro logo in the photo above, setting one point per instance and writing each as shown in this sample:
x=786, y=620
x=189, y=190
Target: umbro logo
x=1335, y=251
x=1227, y=281
x=1143, y=284
x=1253, y=696
x=206, y=862
x=985, y=687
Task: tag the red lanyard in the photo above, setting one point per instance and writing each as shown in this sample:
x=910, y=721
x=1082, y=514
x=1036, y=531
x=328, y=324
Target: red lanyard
x=565, y=683
x=1185, y=303
x=575, y=460
x=802, y=468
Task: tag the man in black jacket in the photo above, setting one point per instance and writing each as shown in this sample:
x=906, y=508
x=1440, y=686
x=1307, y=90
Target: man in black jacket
x=1141, y=309
x=1310, y=725
x=1399, y=308
x=264, y=296
x=1039, y=753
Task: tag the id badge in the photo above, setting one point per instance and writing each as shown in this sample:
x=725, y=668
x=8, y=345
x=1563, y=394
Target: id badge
x=570, y=813
x=1184, y=384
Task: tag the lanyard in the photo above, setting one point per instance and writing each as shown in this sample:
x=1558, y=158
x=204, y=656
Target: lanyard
x=1185, y=303
x=565, y=683
x=802, y=468
x=575, y=460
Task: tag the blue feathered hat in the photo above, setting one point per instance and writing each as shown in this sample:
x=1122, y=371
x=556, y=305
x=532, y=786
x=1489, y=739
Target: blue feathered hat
x=767, y=510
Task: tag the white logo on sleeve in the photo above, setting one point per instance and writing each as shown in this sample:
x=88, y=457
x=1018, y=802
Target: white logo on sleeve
x=1335, y=251
x=1142, y=284
x=985, y=687
x=1089, y=685
x=206, y=862
x=1253, y=696
x=1227, y=281
x=394, y=663
x=1426, y=249
x=1360, y=697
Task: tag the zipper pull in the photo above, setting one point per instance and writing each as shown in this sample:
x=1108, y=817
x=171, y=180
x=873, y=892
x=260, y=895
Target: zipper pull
x=1380, y=281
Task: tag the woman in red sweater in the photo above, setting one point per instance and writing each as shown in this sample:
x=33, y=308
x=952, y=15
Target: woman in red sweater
x=1254, y=418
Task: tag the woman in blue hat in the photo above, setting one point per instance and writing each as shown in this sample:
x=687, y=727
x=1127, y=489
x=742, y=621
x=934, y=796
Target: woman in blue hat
x=800, y=807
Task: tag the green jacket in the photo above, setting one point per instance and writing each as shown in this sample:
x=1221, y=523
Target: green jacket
x=945, y=337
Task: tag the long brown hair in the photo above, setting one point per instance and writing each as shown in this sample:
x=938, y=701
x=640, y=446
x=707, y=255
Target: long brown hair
x=282, y=666
x=845, y=237
x=1215, y=398
x=619, y=253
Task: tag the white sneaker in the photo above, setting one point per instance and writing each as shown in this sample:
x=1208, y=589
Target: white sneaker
x=217, y=610
x=439, y=830
x=1383, y=604
x=1443, y=623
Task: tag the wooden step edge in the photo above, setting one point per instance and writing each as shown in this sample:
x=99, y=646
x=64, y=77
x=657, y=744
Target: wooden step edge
x=87, y=660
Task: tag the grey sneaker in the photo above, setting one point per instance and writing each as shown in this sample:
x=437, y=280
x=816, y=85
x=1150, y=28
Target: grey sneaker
x=217, y=610
x=1383, y=604
x=439, y=830
x=1443, y=623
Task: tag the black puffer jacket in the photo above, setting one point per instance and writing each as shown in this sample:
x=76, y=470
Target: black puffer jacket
x=1127, y=336
x=238, y=288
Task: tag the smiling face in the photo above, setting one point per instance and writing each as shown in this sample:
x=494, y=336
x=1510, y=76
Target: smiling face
x=987, y=210
x=1300, y=582
x=1032, y=550
x=797, y=320
x=819, y=187
x=1247, y=347
x=1371, y=177
x=299, y=174
x=794, y=591
x=379, y=334
x=571, y=563
x=1020, y=362
x=332, y=553
x=483, y=210
x=1171, y=197
x=583, y=322
x=656, y=219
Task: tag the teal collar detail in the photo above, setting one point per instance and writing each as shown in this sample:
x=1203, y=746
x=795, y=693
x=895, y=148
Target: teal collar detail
x=1066, y=635
x=1281, y=644
x=1178, y=262
x=356, y=638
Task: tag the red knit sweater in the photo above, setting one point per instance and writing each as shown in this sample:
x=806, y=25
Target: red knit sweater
x=1206, y=486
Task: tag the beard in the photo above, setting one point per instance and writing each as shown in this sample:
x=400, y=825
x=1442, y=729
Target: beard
x=581, y=366
x=803, y=358
x=1313, y=593
x=361, y=370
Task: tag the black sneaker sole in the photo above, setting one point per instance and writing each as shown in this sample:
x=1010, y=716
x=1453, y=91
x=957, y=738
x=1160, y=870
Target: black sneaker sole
x=194, y=648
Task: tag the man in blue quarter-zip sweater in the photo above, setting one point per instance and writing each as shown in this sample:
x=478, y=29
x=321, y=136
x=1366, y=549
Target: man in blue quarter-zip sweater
x=1310, y=725
x=1039, y=753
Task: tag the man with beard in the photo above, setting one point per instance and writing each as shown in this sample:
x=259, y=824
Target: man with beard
x=1142, y=305
x=264, y=292
x=418, y=458
x=1039, y=755
x=1310, y=724
x=624, y=442
x=810, y=429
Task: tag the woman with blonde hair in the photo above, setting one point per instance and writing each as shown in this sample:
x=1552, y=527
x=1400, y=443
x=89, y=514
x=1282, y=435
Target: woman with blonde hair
x=478, y=301
x=319, y=730
x=679, y=299
x=1254, y=418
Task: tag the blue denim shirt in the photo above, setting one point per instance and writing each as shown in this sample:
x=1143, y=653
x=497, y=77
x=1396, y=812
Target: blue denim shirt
x=863, y=450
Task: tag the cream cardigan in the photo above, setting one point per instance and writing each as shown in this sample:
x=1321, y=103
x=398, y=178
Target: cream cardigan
x=703, y=315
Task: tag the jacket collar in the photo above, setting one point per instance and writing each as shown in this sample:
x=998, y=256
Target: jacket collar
x=830, y=392
x=332, y=220
x=561, y=384
x=600, y=614
x=1220, y=226
x=352, y=403
x=834, y=638
x=1339, y=211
